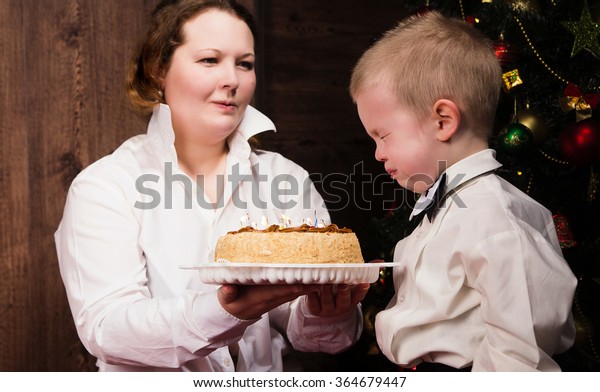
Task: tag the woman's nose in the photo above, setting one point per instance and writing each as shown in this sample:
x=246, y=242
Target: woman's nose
x=229, y=77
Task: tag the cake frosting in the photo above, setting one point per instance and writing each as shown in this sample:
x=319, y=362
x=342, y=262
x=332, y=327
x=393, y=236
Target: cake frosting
x=290, y=245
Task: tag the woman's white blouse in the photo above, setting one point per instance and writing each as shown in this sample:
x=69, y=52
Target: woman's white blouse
x=133, y=218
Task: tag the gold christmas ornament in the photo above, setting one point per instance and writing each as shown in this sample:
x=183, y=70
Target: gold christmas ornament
x=535, y=123
x=583, y=109
x=586, y=33
x=511, y=79
x=583, y=104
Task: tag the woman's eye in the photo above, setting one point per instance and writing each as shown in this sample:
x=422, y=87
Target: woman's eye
x=249, y=65
x=208, y=60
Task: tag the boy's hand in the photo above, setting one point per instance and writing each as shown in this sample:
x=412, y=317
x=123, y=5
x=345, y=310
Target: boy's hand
x=329, y=302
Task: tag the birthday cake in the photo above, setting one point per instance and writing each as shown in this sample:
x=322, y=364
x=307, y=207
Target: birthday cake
x=290, y=245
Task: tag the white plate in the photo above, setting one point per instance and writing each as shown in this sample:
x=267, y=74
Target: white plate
x=251, y=273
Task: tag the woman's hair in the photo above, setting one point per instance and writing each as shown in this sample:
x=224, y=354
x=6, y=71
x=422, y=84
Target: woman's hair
x=430, y=57
x=163, y=35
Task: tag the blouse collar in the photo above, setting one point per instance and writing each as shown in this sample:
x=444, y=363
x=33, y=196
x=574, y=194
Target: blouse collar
x=160, y=130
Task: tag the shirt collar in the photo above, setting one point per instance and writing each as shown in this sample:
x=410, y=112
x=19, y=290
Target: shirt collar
x=462, y=171
x=160, y=129
x=472, y=166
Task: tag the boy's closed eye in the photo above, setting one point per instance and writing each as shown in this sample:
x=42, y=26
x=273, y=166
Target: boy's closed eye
x=377, y=135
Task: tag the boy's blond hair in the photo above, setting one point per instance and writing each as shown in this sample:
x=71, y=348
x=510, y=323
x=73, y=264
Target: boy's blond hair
x=430, y=57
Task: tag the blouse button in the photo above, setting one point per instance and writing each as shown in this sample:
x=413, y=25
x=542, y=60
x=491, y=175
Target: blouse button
x=401, y=298
x=227, y=362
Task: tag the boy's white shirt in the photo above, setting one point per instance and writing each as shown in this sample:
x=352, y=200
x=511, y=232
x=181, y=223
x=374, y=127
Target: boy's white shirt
x=485, y=284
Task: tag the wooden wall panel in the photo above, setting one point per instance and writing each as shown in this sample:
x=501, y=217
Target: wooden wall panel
x=116, y=28
x=62, y=108
x=58, y=107
x=14, y=186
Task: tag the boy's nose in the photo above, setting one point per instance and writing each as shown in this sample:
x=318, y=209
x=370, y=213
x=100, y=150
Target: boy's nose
x=379, y=155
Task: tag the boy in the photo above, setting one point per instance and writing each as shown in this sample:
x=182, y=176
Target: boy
x=483, y=282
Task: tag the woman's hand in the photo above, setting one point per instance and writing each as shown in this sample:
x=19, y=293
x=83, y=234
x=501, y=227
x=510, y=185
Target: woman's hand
x=252, y=301
x=328, y=302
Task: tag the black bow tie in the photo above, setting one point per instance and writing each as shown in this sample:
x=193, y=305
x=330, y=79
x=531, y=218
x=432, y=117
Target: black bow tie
x=433, y=207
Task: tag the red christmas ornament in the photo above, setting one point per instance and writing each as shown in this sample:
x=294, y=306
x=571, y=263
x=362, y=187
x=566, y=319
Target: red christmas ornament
x=563, y=231
x=505, y=53
x=471, y=20
x=580, y=142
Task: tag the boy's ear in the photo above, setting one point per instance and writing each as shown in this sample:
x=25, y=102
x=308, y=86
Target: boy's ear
x=447, y=117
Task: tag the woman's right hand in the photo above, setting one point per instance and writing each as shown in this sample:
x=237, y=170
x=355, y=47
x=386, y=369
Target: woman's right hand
x=252, y=301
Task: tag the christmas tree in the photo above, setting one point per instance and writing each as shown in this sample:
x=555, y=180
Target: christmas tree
x=547, y=136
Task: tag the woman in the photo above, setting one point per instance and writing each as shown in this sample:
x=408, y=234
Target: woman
x=162, y=199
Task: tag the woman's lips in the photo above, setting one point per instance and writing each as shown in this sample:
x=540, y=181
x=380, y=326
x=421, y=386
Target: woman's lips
x=227, y=106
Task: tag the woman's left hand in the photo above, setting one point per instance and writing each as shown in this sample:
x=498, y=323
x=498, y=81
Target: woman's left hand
x=327, y=302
